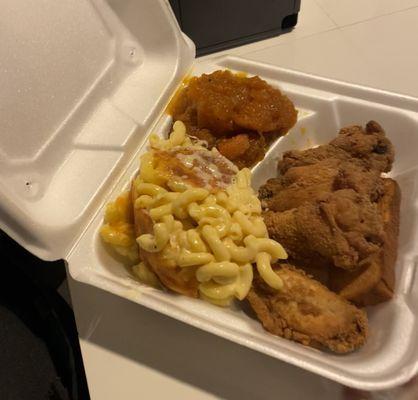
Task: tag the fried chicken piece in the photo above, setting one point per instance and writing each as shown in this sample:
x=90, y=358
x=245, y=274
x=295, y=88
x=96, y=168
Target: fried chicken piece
x=319, y=272
x=343, y=228
x=307, y=312
x=373, y=281
x=297, y=158
x=355, y=175
x=308, y=183
x=331, y=207
x=284, y=228
x=369, y=144
x=299, y=185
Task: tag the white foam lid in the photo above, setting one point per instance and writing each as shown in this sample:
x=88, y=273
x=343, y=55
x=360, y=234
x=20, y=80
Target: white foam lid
x=81, y=81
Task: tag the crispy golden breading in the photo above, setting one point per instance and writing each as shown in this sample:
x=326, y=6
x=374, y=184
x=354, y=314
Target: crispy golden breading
x=299, y=185
x=341, y=227
x=330, y=207
x=298, y=158
x=369, y=146
x=307, y=312
x=373, y=282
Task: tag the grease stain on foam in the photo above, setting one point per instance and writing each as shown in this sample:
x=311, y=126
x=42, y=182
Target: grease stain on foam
x=174, y=98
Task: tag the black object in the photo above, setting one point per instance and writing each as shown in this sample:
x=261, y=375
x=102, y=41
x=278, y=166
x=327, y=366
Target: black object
x=40, y=356
x=215, y=25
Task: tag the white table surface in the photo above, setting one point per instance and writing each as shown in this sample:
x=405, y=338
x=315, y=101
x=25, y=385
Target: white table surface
x=131, y=352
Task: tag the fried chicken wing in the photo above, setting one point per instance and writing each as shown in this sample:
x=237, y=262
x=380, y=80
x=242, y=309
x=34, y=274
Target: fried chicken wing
x=373, y=281
x=331, y=207
x=308, y=184
x=355, y=175
x=311, y=184
x=297, y=158
x=342, y=227
x=307, y=312
x=368, y=144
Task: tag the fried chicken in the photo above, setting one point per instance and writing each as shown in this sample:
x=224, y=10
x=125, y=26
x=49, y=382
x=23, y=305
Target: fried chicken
x=355, y=175
x=342, y=227
x=330, y=207
x=309, y=183
x=307, y=312
x=369, y=146
x=373, y=281
x=237, y=114
x=297, y=158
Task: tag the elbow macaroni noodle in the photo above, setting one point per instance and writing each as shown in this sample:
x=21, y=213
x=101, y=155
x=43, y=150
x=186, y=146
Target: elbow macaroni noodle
x=219, y=235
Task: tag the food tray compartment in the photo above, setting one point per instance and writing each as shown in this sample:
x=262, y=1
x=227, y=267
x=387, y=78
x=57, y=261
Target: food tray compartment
x=390, y=357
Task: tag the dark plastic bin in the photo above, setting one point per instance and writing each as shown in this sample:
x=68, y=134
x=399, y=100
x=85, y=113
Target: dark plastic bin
x=215, y=25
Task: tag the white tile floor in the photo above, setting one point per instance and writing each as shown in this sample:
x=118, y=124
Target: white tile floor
x=381, y=53
x=347, y=12
x=370, y=42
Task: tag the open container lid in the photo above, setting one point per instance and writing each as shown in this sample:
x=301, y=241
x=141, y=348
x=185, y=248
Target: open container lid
x=82, y=81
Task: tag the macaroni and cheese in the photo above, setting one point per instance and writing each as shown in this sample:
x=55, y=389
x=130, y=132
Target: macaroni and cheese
x=206, y=220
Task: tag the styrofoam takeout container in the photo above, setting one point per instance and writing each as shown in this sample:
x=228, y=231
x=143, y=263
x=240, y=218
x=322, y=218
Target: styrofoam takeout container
x=83, y=85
